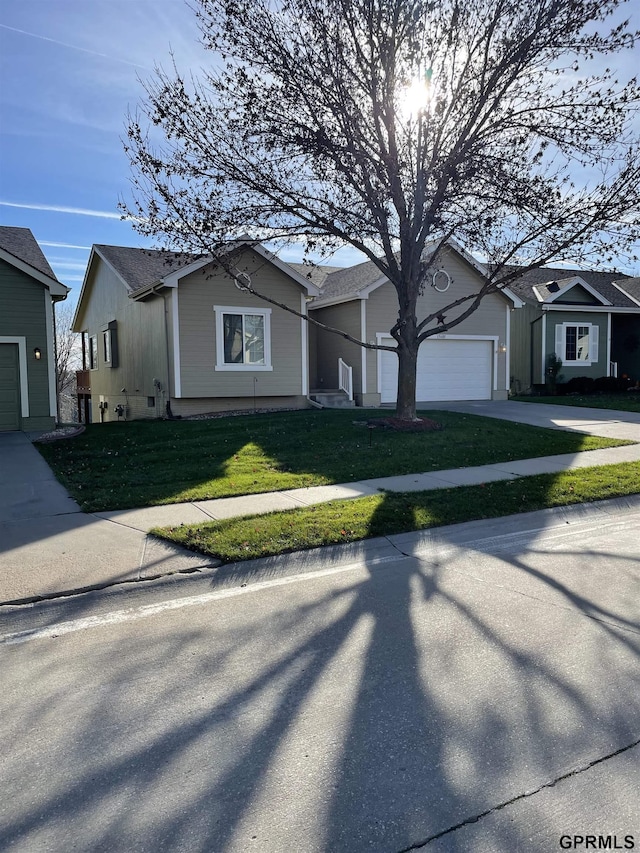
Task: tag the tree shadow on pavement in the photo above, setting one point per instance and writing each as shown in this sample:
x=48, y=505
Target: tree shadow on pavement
x=372, y=709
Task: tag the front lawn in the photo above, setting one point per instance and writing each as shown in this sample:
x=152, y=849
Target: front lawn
x=145, y=463
x=629, y=402
x=393, y=513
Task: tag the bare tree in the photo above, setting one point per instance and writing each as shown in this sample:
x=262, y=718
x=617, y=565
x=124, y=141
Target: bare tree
x=67, y=359
x=390, y=124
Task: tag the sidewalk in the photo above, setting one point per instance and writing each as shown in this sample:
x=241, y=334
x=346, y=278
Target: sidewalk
x=48, y=547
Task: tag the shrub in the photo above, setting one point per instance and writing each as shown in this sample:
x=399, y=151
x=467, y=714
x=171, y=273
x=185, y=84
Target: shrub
x=579, y=385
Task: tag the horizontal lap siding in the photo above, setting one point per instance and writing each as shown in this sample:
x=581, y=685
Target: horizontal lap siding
x=22, y=314
x=142, y=346
x=198, y=293
x=489, y=319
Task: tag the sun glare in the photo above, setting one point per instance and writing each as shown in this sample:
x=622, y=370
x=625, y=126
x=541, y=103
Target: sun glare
x=416, y=98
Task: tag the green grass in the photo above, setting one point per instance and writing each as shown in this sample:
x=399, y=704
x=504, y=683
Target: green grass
x=135, y=464
x=392, y=513
x=629, y=402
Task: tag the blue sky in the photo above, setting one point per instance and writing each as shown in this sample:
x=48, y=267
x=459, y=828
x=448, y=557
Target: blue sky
x=69, y=72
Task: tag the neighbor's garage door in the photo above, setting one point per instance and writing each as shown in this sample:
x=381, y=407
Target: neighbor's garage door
x=9, y=388
x=447, y=370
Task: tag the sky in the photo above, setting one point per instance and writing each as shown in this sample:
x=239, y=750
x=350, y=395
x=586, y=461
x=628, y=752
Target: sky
x=69, y=72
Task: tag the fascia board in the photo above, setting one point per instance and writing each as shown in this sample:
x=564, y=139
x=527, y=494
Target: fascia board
x=517, y=302
x=577, y=280
x=173, y=278
x=283, y=266
x=55, y=287
x=618, y=286
x=94, y=252
x=334, y=300
x=576, y=308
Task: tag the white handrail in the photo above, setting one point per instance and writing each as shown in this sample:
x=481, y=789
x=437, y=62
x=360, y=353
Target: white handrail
x=345, y=378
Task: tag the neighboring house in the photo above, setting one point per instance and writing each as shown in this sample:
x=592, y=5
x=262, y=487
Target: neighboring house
x=165, y=334
x=590, y=320
x=28, y=291
x=469, y=362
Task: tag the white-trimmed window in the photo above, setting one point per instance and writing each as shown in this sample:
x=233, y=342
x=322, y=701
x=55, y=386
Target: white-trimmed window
x=243, y=338
x=577, y=343
x=106, y=346
x=93, y=352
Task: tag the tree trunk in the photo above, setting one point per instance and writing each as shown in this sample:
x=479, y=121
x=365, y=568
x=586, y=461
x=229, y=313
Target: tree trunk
x=407, y=371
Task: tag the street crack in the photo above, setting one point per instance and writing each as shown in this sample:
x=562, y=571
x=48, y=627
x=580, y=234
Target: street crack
x=419, y=845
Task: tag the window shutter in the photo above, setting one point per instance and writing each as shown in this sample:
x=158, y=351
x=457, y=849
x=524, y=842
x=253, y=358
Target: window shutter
x=593, y=343
x=559, y=342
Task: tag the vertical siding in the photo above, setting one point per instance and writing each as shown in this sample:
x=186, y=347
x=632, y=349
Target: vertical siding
x=22, y=313
x=142, y=346
x=199, y=293
x=524, y=336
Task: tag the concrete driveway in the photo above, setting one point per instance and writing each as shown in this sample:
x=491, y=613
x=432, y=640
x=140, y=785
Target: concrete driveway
x=605, y=422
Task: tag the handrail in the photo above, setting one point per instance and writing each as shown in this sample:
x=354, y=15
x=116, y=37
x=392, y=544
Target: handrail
x=345, y=378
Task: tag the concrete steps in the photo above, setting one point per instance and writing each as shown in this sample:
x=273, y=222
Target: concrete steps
x=332, y=399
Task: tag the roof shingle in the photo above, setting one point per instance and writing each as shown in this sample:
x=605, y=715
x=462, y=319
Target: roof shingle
x=21, y=243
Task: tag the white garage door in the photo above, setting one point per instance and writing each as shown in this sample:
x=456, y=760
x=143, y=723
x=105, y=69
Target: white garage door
x=447, y=370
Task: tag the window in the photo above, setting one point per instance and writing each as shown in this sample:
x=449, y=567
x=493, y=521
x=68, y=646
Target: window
x=577, y=344
x=243, y=338
x=106, y=346
x=93, y=352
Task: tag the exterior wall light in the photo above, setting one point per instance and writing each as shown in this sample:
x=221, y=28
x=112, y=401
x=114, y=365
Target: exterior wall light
x=502, y=347
x=37, y=353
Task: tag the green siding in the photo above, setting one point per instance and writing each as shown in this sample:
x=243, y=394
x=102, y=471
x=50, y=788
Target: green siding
x=594, y=370
x=22, y=314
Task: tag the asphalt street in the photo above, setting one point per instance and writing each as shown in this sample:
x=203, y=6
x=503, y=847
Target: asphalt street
x=474, y=688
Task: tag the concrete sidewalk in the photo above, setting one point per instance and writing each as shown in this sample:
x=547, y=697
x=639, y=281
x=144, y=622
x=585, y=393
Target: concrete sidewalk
x=48, y=547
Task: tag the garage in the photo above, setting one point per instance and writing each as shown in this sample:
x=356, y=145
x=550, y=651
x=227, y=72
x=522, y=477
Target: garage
x=9, y=388
x=448, y=369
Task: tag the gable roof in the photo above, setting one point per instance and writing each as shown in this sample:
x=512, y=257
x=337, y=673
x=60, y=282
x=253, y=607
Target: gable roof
x=345, y=284
x=602, y=283
x=141, y=271
x=140, y=268
x=630, y=287
x=19, y=247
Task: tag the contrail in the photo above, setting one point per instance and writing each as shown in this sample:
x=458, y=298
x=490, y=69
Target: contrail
x=81, y=211
x=74, y=47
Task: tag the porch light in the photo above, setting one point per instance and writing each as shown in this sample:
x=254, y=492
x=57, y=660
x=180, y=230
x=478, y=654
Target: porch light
x=502, y=347
x=37, y=353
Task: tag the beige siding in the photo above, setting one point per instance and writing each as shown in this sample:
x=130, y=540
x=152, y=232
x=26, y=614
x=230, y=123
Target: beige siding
x=345, y=317
x=490, y=319
x=198, y=294
x=142, y=347
x=207, y=405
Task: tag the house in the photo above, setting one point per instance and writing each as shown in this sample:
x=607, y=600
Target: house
x=28, y=293
x=470, y=362
x=177, y=335
x=590, y=320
